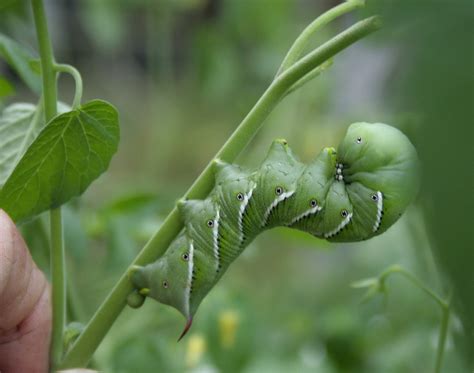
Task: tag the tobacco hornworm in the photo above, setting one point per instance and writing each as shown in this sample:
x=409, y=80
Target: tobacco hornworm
x=350, y=195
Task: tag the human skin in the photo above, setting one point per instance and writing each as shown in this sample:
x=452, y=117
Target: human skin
x=25, y=309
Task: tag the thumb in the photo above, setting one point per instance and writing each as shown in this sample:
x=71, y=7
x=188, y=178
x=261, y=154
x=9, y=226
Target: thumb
x=25, y=311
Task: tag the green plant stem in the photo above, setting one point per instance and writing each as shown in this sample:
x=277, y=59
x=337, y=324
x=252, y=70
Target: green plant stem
x=71, y=70
x=310, y=76
x=397, y=269
x=443, y=333
x=110, y=309
x=58, y=279
x=303, y=39
x=445, y=309
x=48, y=75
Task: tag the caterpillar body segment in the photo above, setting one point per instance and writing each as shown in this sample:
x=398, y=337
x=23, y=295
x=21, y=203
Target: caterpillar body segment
x=350, y=195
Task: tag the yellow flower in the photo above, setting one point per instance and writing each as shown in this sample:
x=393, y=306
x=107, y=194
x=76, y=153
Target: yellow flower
x=194, y=350
x=228, y=322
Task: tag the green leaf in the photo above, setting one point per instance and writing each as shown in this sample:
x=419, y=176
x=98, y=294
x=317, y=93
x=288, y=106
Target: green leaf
x=365, y=283
x=71, y=151
x=18, y=57
x=71, y=332
x=374, y=285
x=35, y=65
x=6, y=89
x=371, y=292
x=20, y=123
x=18, y=127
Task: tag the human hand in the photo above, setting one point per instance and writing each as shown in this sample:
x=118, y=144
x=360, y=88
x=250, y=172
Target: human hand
x=25, y=310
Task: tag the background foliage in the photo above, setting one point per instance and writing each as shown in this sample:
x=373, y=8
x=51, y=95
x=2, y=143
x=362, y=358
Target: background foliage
x=182, y=74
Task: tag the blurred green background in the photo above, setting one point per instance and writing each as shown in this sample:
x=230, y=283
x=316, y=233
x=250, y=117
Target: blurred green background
x=182, y=75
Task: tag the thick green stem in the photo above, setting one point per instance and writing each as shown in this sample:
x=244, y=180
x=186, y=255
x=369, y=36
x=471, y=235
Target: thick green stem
x=57, y=248
x=110, y=309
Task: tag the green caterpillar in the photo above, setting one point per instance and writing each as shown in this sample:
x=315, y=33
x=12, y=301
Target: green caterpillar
x=350, y=195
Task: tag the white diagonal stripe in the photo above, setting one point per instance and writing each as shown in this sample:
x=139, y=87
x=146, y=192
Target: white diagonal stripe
x=340, y=227
x=187, y=295
x=308, y=212
x=215, y=236
x=378, y=218
x=275, y=203
x=242, y=209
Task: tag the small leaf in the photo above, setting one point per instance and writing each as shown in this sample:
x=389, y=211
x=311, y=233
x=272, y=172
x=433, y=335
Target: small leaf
x=374, y=284
x=71, y=333
x=372, y=291
x=35, y=66
x=365, y=283
x=70, y=152
x=19, y=57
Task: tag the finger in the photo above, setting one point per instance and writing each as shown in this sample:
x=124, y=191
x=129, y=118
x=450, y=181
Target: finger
x=25, y=310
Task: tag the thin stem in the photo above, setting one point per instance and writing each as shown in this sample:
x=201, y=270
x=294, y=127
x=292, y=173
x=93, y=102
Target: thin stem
x=57, y=249
x=310, y=76
x=301, y=42
x=64, y=68
x=110, y=309
x=58, y=277
x=445, y=309
x=414, y=281
x=443, y=333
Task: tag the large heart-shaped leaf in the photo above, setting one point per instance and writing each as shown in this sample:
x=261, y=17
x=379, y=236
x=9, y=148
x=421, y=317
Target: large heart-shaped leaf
x=20, y=123
x=70, y=152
